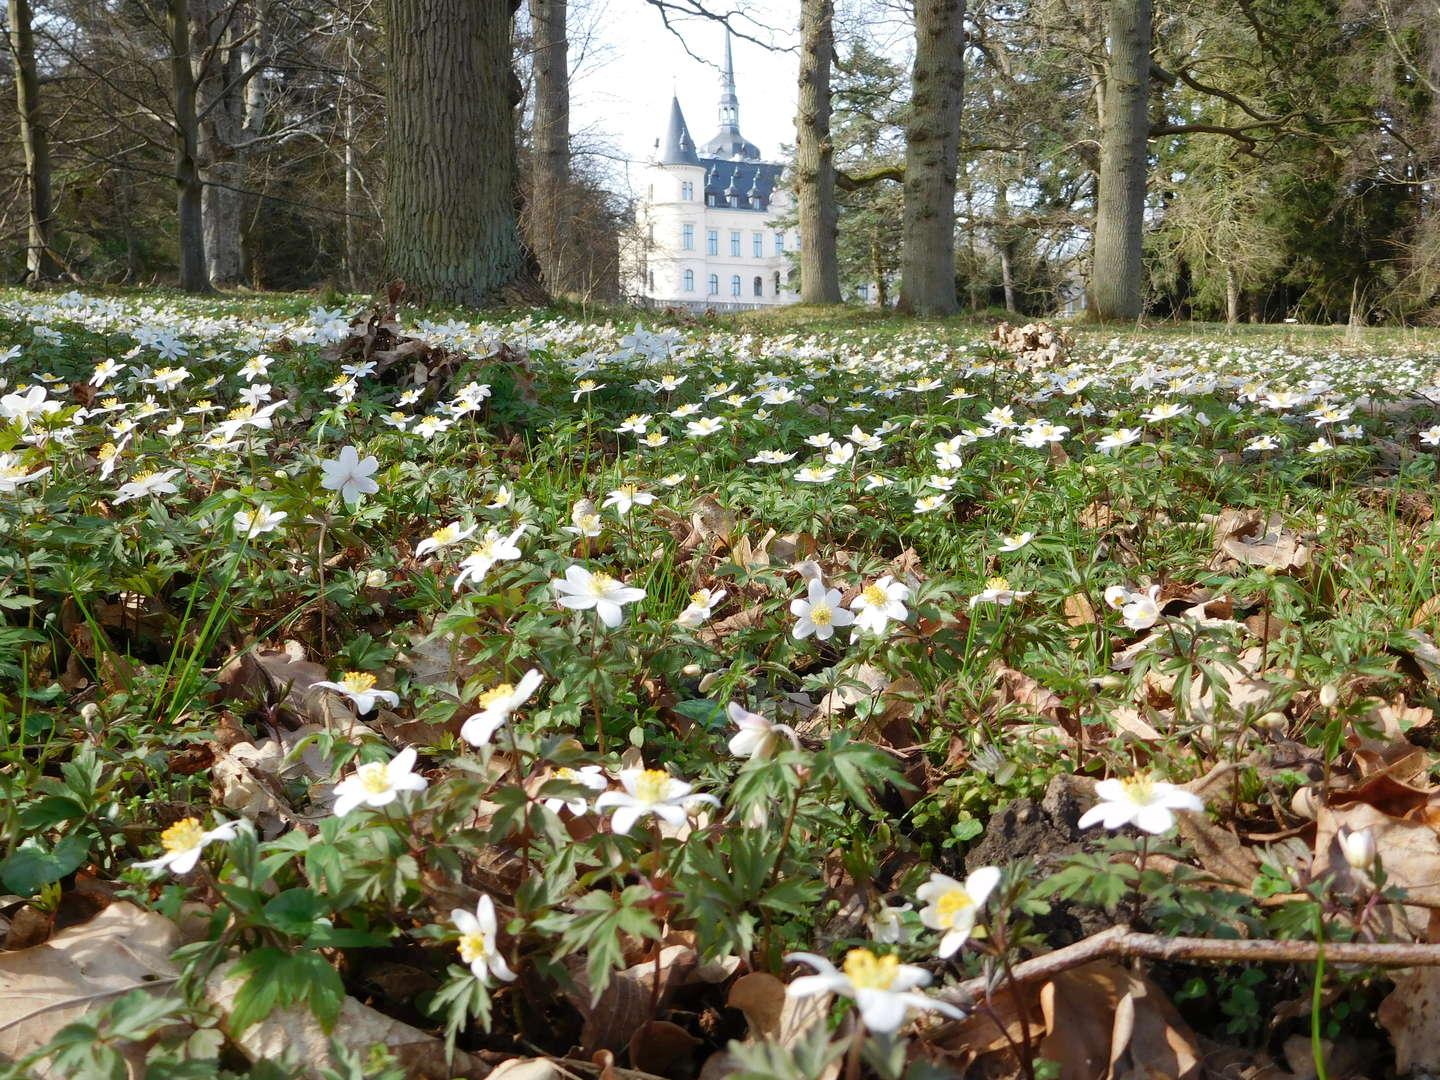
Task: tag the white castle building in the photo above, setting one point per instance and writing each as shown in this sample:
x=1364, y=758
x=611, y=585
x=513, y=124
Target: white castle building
x=709, y=237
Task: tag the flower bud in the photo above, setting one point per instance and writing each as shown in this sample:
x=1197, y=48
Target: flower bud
x=1358, y=848
x=89, y=712
x=690, y=670
x=1329, y=695
x=1304, y=803
x=376, y=579
x=1273, y=721
x=708, y=681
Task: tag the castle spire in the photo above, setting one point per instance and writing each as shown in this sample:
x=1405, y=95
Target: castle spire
x=729, y=142
x=677, y=148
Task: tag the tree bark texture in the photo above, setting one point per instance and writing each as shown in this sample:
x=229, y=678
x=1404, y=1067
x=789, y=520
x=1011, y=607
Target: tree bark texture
x=451, y=229
x=932, y=149
x=193, y=277
x=815, y=157
x=549, y=232
x=40, y=264
x=231, y=102
x=1117, y=278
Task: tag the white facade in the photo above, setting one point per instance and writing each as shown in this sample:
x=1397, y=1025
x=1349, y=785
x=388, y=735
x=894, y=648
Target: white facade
x=707, y=219
x=689, y=248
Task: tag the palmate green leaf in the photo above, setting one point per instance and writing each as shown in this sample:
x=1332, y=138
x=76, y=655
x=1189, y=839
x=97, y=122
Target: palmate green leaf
x=32, y=865
x=275, y=978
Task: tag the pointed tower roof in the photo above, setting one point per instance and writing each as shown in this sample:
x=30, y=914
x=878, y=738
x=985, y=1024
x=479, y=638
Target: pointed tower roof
x=677, y=148
x=729, y=142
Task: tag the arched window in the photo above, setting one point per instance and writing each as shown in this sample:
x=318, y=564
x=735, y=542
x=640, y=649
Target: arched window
x=777, y=282
x=689, y=280
x=735, y=285
x=759, y=286
x=714, y=284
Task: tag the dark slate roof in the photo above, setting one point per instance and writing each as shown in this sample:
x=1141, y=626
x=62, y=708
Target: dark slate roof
x=741, y=185
x=730, y=143
x=678, y=147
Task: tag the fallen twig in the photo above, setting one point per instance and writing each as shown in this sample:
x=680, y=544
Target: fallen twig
x=1121, y=941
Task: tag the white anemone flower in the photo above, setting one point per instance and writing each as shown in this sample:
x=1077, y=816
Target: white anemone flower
x=379, y=783
x=442, y=538
x=758, y=737
x=251, y=523
x=1142, y=610
x=184, y=841
x=649, y=791
x=997, y=591
x=1015, y=543
x=626, y=496
x=478, y=941
x=359, y=687
x=880, y=986
x=880, y=602
x=819, y=612
x=492, y=549
x=145, y=483
x=350, y=475
x=496, y=705
x=952, y=907
x=590, y=777
x=1147, y=804
x=702, y=605
x=581, y=590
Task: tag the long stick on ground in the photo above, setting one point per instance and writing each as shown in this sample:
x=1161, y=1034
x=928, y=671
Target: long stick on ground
x=1121, y=941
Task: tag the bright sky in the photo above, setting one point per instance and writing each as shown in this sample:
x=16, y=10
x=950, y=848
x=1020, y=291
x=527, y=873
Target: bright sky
x=628, y=65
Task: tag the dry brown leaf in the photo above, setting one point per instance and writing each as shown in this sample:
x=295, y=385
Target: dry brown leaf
x=527, y=1069
x=1409, y=851
x=81, y=969
x=626, y=1002
x=1411, y=1015
x=1079, y=611
x=771, y=1013
x=1103, y=1023
x=1253, y=540
x=658, y=1044
x=1426, y=612
x=292, y=1036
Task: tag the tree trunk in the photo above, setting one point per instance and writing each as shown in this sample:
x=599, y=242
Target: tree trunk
x=549, y=231
x=450, y=224
x=39, y=262
x=877, y=270
x=932, y=150
x=187, y=137
x=815, y=157
x=1232, y=295
x=1118, y=276
x=1005, y=245
x=352, y=199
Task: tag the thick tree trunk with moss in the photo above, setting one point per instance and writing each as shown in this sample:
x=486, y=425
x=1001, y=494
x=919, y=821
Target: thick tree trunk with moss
x=550, y=234
x=40, y=264
x=193, y=277
x=815, y=157
x=1117, y=278
x=932, y=149
x=451, y=229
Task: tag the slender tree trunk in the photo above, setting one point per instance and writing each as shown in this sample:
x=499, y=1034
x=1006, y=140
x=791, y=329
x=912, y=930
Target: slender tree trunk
x=352, y=198
x=932, y=150
x=877, y=269
x=39, y=262
x=815, y=157
x=1232, y=295
x=1118, y=275
x=451, y=230
x=1005, y=245
x=187, y=137
x=550, y=234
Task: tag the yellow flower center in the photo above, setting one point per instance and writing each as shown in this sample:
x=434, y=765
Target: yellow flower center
x=564, y=772
x=873, y=595
x=374, y=777
x=499, y=693
x=588, y=384
x=866, y=971
x=1139, y=788
x=951, y=904
x=141, y=477
x=600, y=584
x=589, y=523
x=107, y=451
x=185, y=835
x=244, y=412
x=700, y=597
x=204, y=403
x=358, y=681
x=110, y=402
x=821, y=615
x=472, y=946
x=652, y=785
x=446, y=535
x=998, y=584
x=655, y=438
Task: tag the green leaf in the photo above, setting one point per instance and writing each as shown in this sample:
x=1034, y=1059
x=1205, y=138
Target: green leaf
x=295, y=911
x=30, y=867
